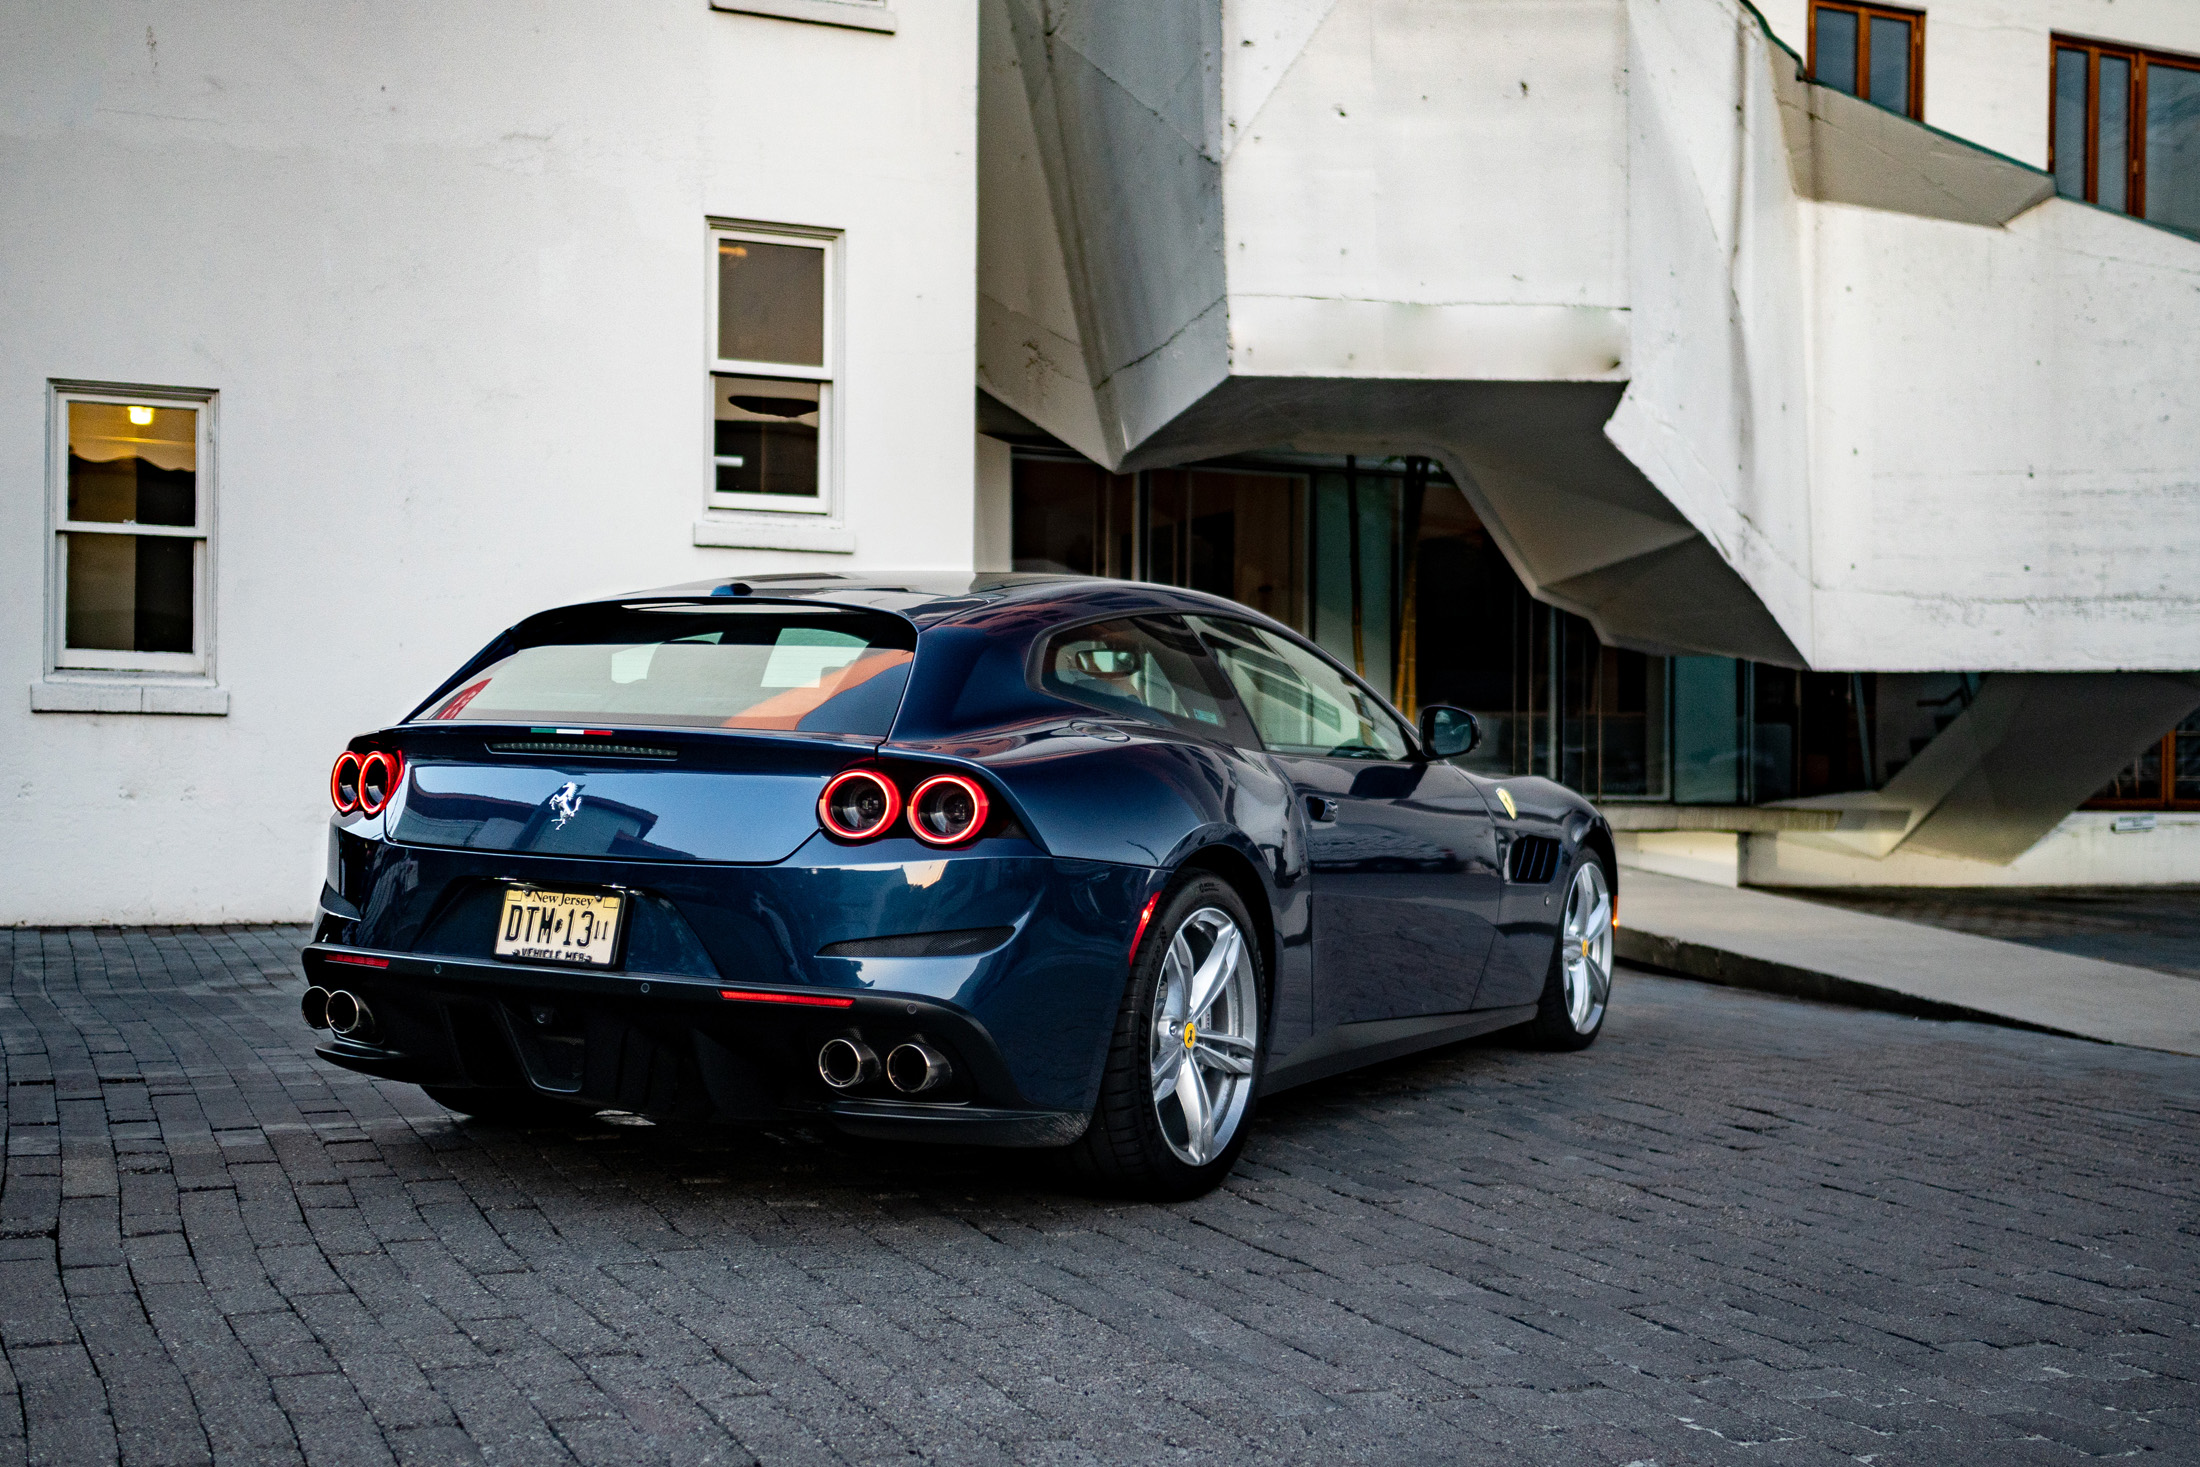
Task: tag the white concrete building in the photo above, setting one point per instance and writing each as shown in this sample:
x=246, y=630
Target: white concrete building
x=1805, y=465
x=1725, y=359
x=426, y=300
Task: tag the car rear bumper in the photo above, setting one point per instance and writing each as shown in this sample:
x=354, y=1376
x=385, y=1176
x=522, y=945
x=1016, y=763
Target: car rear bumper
x=673, y=1046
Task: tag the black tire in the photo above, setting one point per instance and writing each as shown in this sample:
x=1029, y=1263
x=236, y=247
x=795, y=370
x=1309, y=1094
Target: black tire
x=1129, y=1150
x=505, y=1107
x=1560, y=1023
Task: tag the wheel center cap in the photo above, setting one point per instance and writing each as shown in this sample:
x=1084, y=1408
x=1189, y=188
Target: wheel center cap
x=1191, y=1035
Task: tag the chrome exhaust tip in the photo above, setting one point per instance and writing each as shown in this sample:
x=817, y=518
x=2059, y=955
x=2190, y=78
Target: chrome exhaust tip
x=349, y=1015
x=916, y=1067
x=314, y=1006
x=846, y=1063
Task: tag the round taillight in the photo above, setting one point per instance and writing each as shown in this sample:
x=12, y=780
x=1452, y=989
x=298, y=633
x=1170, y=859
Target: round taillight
x=947, y=810
x=858, y=804
x=378, y=781
x=343, y=783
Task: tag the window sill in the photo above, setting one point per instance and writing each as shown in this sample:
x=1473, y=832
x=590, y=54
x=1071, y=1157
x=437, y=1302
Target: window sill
x=778, y=532
x=119, y=695
x=853, y=14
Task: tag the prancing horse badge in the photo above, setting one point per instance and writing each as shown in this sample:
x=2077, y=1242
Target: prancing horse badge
x=567, y=802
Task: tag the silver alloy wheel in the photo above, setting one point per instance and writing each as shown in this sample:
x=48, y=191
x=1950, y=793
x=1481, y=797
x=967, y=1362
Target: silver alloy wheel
x=1586, y=953
x=1206, y=1035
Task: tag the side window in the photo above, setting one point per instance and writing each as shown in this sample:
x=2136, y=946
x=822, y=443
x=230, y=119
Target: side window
x=1151, y=668
x=1300, y=703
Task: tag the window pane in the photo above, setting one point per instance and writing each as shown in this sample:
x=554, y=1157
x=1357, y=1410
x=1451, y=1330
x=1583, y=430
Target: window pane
x=761, y=667
x=2138, y=782
x=1707, y=731
x=129, y=593
x=771, y=303
x=2185, y=771
x=2114, y=168
x=766, y=436
x=1141, y=668
x=1835, y=34
x=133, y=463
x=1891, y=63
x=2069, y=123
x=1300, y=704
x=2173, y=147
x=1057, y=514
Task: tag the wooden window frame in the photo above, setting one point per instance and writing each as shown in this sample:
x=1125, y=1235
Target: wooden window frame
x=2135, y=140
x=2165, y=796
x=1864, y=13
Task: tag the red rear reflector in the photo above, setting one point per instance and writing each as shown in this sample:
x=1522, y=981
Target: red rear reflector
x=807, y=1000
x=1143, y=918
x=356, y=960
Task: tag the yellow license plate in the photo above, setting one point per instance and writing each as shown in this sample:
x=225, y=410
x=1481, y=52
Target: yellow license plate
x=559, y=926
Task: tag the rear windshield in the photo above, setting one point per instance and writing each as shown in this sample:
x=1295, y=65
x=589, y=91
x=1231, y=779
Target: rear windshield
x=804, y=670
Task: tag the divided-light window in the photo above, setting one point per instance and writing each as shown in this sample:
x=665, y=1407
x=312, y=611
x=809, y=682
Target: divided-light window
x=2125, y=131
x=2165, y=776
x=132, y=516
x=772, y=370
x=1870, y=51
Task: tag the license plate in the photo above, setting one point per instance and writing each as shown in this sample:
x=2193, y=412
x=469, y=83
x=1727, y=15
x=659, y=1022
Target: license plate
x=560, y=926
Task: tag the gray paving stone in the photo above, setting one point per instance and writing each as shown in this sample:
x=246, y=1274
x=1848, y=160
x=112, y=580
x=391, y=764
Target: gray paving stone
x=1740, y=1229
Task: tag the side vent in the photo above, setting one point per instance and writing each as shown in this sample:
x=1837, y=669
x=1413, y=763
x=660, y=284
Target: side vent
x=1533, y=860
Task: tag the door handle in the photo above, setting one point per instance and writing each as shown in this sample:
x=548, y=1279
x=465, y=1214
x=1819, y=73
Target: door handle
x=1321, y=809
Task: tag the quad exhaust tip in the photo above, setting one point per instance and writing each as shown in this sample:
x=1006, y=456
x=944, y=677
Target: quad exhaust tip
x=348, y=1015
x=916, y=1067
x=846, y=1063
x=314, y=1006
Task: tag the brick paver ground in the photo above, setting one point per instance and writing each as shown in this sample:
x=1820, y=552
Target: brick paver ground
x=1741, y=1229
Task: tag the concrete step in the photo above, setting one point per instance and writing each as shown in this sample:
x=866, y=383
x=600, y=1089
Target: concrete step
x=1754, y=939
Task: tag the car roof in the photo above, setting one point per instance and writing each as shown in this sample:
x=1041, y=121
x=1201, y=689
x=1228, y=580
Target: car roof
x=931, y=599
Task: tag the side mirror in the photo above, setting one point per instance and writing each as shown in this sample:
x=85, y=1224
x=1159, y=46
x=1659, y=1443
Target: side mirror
x=1448, y=732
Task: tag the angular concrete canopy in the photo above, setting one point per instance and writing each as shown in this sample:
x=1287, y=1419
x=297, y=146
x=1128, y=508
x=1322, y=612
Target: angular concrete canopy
x=1728, y=363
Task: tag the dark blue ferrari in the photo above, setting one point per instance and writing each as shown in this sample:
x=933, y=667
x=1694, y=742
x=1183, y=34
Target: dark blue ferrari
x=1034, y=861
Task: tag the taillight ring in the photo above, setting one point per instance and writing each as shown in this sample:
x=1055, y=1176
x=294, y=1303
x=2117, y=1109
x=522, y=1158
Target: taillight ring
x=878, y=827
x=393, y=765
x=336, y=796
x=978, y=807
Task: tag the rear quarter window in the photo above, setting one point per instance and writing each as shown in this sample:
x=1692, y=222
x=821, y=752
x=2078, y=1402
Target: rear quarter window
x=1150, y=668
x=773, y=668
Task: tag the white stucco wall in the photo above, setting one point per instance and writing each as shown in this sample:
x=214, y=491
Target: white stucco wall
x=1426, y=190
x=2006, y=464
x=446, y=268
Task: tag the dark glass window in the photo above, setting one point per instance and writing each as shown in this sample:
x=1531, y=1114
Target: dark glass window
x=1150, y=668
x=1870, y=51
x=2165, y=776
x=131, y=466
x=765, y=436
x=771, y=383
x=2125, y=131
x=771, y=303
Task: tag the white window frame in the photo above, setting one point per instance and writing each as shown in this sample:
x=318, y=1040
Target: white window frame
x=827, y=376
x=64, y=659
